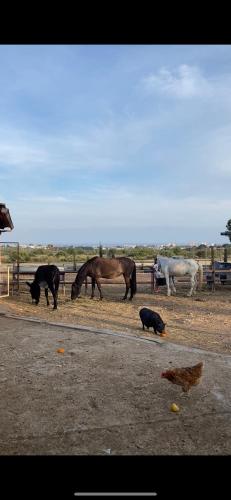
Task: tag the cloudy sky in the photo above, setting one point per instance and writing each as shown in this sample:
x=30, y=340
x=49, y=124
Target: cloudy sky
x=116, y=143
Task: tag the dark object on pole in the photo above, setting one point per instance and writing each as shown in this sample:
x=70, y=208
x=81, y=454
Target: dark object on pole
x=5, y=219
x=228, y=232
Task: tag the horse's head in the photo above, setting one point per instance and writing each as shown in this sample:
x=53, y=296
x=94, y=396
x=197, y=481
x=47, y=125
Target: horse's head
x=35, y=291
x=161, y=262
x=75, y=290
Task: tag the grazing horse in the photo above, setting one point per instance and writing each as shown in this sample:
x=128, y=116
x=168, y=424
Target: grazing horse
x=45, y=277
x=100, y=267
x=171, y=267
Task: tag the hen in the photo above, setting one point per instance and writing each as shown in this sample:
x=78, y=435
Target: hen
x=186, y=377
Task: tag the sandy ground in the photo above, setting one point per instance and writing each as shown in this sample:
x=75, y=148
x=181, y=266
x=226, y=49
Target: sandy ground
x=203, y=320
x=104, y=395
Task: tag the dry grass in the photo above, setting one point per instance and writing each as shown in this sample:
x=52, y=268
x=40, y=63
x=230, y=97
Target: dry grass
x=202, y=321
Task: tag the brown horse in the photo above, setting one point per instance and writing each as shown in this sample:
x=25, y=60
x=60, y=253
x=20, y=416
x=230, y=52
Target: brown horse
x=100, y=267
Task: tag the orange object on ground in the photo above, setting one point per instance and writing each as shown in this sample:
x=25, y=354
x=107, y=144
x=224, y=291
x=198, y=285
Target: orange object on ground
x=61, y=350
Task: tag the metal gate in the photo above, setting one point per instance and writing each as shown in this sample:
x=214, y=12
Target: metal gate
x=4, y=281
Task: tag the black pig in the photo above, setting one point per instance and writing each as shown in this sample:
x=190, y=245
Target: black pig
x=153, y=319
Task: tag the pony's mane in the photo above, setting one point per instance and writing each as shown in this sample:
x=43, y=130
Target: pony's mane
x=82, y=268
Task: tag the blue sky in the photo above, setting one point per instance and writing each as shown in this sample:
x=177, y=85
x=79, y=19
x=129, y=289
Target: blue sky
x=116, y=143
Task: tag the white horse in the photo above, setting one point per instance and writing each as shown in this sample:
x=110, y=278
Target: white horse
x=171, y=267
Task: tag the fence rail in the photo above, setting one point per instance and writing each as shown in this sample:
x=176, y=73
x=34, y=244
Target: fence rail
x=145, y=276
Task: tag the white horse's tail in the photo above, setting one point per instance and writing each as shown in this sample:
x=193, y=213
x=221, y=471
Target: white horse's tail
x=200, y=270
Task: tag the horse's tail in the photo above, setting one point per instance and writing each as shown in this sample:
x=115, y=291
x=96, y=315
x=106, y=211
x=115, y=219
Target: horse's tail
x=133, y=281
x=200, y=270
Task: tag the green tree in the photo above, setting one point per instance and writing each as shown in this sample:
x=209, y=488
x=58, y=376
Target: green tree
x=100, y=250
x=111, y=252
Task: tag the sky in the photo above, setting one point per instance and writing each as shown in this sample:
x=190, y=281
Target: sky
x=118, y=144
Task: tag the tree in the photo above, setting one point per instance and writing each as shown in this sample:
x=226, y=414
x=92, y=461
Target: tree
x=111, y=253
x=100, y=250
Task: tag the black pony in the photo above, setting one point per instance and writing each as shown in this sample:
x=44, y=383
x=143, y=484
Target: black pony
x=100, y=267
x=45, y=277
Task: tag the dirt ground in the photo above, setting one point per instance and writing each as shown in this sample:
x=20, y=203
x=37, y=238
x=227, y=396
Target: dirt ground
x=104, y=395
x=202, y=321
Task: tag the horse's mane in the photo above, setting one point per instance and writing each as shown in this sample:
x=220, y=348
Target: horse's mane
x=89, y=261
x=81, y=270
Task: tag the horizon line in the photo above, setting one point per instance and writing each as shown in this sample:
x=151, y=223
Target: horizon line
x=105, y=245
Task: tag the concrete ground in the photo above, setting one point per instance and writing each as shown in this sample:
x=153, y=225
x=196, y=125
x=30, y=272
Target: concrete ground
x=104, y=394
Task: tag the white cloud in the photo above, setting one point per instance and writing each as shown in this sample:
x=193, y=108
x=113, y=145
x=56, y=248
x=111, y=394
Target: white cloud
x=185, y=82
x=119, y=207
x=216, y=152
x=19, y=149
x=103, y=147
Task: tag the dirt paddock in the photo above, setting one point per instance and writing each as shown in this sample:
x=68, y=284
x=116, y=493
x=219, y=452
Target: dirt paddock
x=103, y=393
x=203, y=320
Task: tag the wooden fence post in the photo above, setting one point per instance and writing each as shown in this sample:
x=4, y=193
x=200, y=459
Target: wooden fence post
x=74, y=261
x=152, y=280
x=213, y=268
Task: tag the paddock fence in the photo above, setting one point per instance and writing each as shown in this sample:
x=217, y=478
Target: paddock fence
x=18, y=275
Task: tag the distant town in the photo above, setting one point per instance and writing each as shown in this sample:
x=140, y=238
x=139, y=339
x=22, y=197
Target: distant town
x=119, y=246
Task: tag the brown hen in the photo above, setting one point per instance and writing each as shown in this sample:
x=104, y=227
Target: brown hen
x=186, y=377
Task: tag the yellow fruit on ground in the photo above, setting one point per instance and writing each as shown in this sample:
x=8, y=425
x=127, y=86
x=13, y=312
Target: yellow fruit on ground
x=174, y=407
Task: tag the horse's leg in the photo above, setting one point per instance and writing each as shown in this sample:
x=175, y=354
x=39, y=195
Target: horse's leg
x=127, y=283
x=99, y=288
x=56, y=287
x=167, y=284
x=46, y=295
x=189, y=294
x=54, y=292
x=131, y=293
x=171, y=281
x=93, y=288
x=195, y=283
